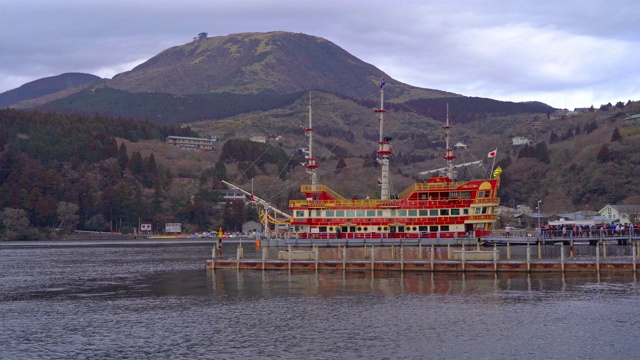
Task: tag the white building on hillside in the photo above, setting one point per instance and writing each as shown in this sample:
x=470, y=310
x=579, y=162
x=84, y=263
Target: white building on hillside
x=190, y=143
x=521, y=140
x=624, y=214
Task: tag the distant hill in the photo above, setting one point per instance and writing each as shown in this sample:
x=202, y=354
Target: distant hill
x=225, y=76
x=262, y=63
x=45, y=86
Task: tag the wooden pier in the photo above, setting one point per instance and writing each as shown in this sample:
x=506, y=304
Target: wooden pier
x=425, y=259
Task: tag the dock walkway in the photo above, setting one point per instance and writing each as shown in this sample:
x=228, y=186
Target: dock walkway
x=423, y=258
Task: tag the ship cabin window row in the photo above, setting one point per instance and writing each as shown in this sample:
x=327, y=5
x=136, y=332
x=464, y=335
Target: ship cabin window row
x=389, y=213
x=462, y=195
x=391, y=229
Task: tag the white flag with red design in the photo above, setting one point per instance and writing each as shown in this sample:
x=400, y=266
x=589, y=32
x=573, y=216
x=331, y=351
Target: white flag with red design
x=492, y=154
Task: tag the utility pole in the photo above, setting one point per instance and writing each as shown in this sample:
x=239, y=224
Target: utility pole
x=539, y=228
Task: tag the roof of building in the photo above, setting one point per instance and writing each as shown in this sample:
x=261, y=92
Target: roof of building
x=623, y=208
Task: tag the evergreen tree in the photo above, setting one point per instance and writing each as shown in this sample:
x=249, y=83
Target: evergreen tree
x=220, y=171
x=136, y=164
x=591, y=127
x=542, y=153
x=340, y=165
x=123, y=157
x=604, y=155
x=616, y=136
x=150, y=177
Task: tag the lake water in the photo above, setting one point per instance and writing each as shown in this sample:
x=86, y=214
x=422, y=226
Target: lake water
x=118, y=300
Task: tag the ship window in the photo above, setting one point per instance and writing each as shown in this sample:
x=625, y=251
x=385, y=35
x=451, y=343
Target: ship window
x=379, y=228
x=351, y=213
x=433, y=212
x=444, y=228
x=433, y=228
x=423, y=196
x=359, y=228
x=484, y=210
x=318, y=213
x=340, y=213
x=331, y=228
x=478, y=210
x=366, y=228
x=360, y=213
x=480, y=194
x=414, y=228
x=299, y=213
x=402, y=212
x=422, y=228
x=465, y=211
x=323, y=229
x=393, y=212
x=371, y=213
x=379, y=213
x=386, y=228
x=454, y=194
x=330, y=213
x=455, y=211
x=345, y=229
x=413, y=212
x=444, y=212
x=352, y=229
x=400, y=228
x=423, y=212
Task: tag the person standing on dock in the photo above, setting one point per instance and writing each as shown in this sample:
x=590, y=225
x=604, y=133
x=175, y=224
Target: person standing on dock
x=219, y=244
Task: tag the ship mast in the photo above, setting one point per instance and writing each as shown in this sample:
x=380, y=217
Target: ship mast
x=449, y=170
x=384, y=149
x=311, y=164
x=449, y=157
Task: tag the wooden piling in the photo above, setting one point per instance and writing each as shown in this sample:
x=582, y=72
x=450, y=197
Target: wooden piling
x=562, y=257
x=315, y=253
x=289, y=257
x=462, y=257
x=495, y=258
x=373, y=259
x=432, y=255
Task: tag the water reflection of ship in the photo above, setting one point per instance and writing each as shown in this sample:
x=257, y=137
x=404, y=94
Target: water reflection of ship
x=269, y=283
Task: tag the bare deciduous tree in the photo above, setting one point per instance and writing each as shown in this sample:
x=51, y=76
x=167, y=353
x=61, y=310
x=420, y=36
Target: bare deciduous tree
x=67, y=214
x=14, y=220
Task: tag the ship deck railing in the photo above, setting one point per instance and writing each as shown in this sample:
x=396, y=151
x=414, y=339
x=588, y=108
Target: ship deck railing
x=438, y=203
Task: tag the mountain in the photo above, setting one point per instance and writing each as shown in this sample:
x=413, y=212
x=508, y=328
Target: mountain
x=261, y=63
x=46, y=86
x=225, y=76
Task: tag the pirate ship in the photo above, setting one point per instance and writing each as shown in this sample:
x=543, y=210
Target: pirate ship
x=439, y=207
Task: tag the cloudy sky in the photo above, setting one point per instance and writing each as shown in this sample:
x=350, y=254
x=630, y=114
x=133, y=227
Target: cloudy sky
x=565, y=53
